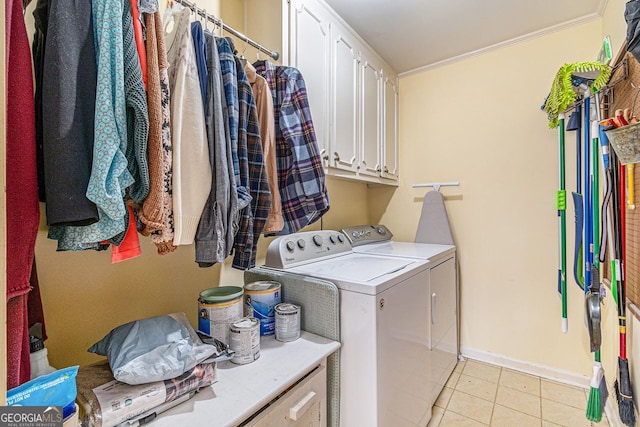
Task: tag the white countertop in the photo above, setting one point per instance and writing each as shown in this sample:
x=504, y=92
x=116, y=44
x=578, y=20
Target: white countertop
x=241, y=390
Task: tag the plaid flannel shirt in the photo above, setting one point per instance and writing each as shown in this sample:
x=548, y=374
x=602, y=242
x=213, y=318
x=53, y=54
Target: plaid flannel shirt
x=301, y=179
x=230, y=81
x=253, y=217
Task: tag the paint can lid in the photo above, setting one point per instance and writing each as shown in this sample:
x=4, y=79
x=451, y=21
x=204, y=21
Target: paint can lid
x=287, y=308
x=220, y=294
x=262, y=285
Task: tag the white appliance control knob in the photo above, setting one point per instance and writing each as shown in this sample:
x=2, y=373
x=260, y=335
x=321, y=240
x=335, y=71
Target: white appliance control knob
x=381, y=231
x=290, y=246
x=301, y=244
x=317, y=240
x=355, y=234
x=340, y=239
x=332, y=239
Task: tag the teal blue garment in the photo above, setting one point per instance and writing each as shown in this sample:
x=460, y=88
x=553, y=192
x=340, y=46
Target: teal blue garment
x=109, y=174
x=137, y=113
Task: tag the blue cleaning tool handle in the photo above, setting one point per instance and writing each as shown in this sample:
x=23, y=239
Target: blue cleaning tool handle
x=604, y=146
x=587, y=252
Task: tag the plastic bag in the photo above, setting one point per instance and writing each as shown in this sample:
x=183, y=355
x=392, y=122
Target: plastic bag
x=55, y=389
x=154, y=349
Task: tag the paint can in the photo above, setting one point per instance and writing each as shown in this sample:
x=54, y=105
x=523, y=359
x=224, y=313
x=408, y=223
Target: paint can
x=287, y=321
x=217, y=309
x=244, y=340
x=260, y=299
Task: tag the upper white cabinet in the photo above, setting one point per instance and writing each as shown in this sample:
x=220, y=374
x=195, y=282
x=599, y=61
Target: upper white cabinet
x=310, y=50
x=353, y=94
x=346, y=65
x=390, y=126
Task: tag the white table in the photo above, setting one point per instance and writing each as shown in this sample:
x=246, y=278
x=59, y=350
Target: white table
x=242, y=390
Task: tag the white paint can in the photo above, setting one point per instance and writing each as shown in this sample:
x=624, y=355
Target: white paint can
x=244, y=336
x=260, y=300
x=217, y=309
x=287, y=321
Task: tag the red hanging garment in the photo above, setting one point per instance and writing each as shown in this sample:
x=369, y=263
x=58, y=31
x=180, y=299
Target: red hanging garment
x=22, y=210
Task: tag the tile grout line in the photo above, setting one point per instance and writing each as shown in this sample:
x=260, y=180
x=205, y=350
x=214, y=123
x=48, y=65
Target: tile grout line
x=540, y=394
x=495, y=398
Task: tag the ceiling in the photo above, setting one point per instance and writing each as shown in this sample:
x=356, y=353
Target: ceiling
x=411, y=34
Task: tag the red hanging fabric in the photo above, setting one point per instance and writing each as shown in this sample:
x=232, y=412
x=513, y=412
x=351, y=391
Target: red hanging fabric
x=22, y=210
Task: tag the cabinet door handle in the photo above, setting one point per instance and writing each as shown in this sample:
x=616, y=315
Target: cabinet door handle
x=386, y=169
x=336, y=156
x=433, y=308
x=299, y=409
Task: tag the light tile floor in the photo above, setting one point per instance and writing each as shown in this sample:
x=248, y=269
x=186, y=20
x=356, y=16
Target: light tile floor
x=479, y=394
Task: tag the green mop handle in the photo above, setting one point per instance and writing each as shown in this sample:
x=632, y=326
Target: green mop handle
x=561, y=202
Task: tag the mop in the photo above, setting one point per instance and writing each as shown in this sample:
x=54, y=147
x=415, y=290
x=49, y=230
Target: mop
x=563, y=91
x=598, y=393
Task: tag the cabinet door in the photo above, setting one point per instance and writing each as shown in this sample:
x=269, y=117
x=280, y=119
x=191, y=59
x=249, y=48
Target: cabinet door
x=310, y=53
x=390, y=134
x=443, y=324
x=345, y=89
x=370, y=76
x=304, y=405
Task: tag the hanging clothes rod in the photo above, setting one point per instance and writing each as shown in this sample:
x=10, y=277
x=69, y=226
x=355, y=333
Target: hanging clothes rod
x=272, y=53
x=436, y=185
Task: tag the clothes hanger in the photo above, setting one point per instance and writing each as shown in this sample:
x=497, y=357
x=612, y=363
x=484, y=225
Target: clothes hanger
x=259, y=61
x=243, y=59
x=206, y=20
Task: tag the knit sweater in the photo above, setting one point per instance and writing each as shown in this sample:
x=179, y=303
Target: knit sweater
x=137, y=114
x=191, y=167
x=157, y=211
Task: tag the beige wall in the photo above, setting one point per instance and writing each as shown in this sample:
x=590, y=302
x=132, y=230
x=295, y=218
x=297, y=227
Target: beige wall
x=84, y=295
x=479, y=122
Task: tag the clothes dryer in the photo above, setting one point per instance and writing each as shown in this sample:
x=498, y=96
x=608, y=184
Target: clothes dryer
x=443, y=292
x=384, y=314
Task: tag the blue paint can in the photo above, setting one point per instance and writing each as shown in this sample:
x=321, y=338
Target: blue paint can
x=260, y=300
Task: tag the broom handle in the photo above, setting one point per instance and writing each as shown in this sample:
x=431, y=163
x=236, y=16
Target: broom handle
x=630, y=186
x=623, y=253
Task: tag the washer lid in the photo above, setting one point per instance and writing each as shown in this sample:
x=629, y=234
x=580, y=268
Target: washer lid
x=426, y=251
x=368, y=274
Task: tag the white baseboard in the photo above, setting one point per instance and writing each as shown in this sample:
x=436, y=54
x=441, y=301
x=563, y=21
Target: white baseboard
x=611, y=410
x=542, y=371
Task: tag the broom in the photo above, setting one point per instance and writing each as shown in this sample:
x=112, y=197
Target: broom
x=624, y=392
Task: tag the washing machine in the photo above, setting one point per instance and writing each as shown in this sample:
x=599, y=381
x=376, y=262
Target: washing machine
x=384, y=315
x=443, y=292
